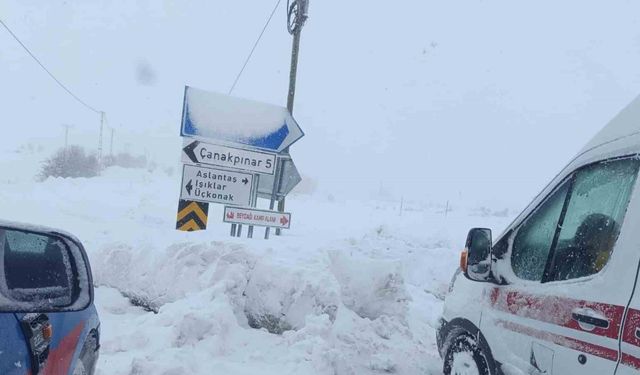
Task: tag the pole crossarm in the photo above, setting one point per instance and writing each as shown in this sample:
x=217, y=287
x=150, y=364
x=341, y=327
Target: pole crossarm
x=297, y=14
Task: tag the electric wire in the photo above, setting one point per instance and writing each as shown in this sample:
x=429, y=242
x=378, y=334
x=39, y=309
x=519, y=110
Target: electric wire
x=255, y=45
x=47, y=70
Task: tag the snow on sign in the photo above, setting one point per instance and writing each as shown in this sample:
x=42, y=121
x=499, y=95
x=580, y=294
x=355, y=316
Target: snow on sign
x=216, y=186
x=228, y=157
x=209, y=115
x=252, y=216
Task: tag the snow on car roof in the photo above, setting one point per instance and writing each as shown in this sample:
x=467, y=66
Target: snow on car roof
x=624, y=124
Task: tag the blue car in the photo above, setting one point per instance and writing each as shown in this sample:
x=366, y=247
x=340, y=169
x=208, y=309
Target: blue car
x=48, y=322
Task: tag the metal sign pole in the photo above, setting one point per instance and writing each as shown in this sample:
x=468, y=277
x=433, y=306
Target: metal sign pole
x=274, y=192
x=254, y=201
x=233, y=230
x=281, y=199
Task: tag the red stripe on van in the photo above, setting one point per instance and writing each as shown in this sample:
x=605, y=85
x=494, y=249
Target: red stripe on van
x=631, y=361
x=629, y=336
x=632, y=323
x=556, y=310
x=582, y=346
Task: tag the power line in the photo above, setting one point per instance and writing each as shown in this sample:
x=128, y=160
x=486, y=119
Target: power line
x=47, y=70
x=254, y=46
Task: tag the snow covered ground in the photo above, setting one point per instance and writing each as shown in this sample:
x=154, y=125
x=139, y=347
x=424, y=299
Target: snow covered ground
x=354, y=288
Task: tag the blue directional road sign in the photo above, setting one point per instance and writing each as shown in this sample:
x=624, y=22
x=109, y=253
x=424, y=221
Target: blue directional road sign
x=214, y=116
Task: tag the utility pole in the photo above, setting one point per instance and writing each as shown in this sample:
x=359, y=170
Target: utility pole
x=100, y=139
x=66, y=135
x=298, y=10
x=66, y=140
x=111, y=143
x=297, y=14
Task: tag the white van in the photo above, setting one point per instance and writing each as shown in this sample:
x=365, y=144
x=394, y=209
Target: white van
x=556, y=292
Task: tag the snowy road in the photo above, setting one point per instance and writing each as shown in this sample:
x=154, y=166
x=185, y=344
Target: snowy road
x=353, y=288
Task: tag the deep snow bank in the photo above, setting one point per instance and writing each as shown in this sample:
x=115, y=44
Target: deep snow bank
x=354, y=287
x=264, y=288
x=338, y=313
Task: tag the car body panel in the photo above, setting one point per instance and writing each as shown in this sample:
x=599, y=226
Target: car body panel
x=70, y=331
x=14, y=353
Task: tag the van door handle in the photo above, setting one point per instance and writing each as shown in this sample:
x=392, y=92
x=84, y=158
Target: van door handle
x=638, y=333
x=590, y=317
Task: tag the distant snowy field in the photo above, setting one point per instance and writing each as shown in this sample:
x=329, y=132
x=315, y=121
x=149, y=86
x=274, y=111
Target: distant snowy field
x=356, y=286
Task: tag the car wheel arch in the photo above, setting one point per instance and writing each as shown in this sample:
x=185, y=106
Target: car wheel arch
x=89, y=351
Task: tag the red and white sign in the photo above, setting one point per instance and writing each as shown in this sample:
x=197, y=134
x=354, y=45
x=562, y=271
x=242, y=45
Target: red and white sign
x=252, y=216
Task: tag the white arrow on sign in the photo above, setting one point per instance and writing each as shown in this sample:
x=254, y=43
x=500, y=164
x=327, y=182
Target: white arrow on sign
x=216, y=186
x=228, y=157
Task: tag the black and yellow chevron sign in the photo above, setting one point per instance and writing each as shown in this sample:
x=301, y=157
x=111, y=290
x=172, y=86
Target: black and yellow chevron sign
x=192, y=216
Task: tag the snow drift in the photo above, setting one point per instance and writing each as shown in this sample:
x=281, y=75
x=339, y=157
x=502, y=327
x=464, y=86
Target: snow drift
x=339, y=296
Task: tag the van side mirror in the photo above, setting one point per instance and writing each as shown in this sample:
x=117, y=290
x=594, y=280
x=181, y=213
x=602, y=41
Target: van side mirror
x=42, y=271
x=478, y=255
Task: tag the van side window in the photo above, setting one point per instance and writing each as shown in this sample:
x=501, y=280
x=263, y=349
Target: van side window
x=534, y=238
x=594, y=213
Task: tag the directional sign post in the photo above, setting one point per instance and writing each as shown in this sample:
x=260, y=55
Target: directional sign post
x=228, y=157
x=234, y=152
x=252, y=216
x=216, y=185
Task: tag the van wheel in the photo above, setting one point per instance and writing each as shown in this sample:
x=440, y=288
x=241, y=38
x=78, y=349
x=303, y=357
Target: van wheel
x=464, y=357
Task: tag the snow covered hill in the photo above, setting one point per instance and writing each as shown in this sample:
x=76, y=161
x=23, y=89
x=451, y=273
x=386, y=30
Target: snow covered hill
x=355, y=287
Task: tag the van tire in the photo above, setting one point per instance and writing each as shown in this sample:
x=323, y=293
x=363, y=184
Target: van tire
x=466, y=344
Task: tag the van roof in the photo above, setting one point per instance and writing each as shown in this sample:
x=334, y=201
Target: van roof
x=623, y=125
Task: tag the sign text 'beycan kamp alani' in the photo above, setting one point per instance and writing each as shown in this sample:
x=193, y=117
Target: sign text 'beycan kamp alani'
x=252, y=216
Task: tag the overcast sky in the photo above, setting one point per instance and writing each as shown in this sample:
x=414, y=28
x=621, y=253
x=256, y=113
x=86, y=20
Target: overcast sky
x=430, y=99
